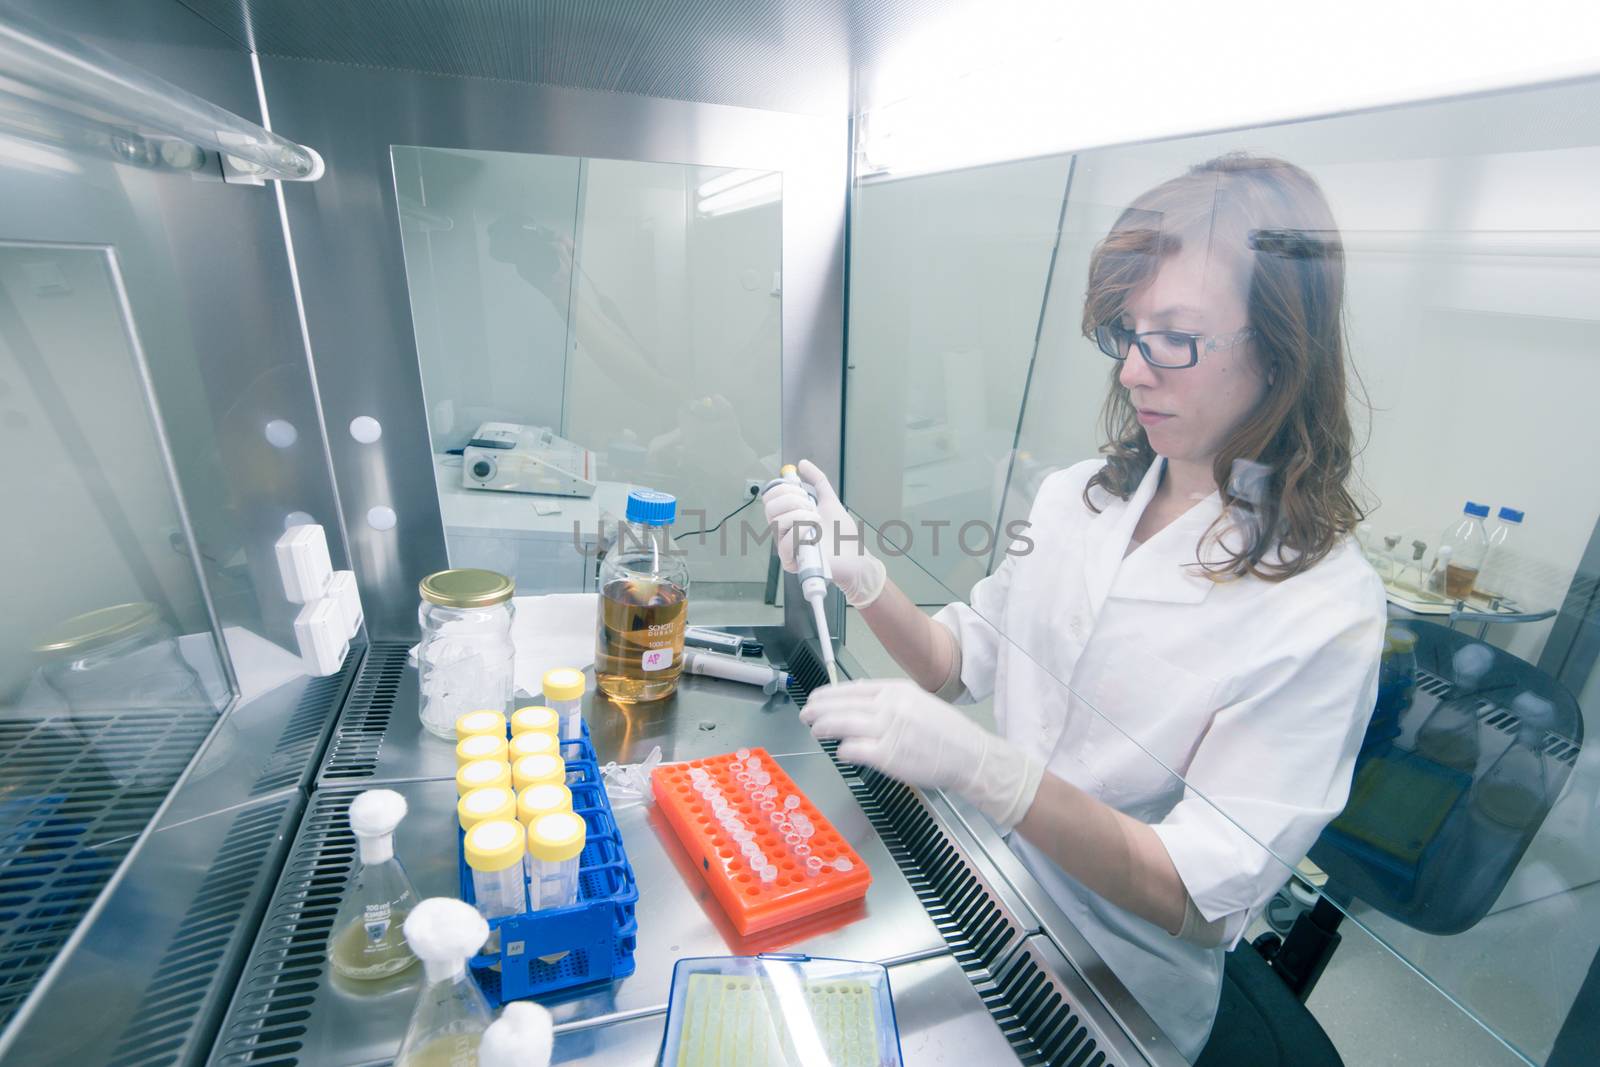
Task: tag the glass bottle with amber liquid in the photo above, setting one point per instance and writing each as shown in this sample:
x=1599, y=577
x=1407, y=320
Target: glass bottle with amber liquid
x=644, y=604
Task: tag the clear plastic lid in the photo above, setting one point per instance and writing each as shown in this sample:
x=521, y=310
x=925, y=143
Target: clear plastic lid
x=795, y=1011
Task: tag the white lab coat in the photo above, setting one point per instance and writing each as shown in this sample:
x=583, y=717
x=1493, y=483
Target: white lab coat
x=1257, y=693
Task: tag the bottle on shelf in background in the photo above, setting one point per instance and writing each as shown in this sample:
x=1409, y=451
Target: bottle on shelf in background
x=1468, y=543
x=1434, y=584
x=1389, y=562
x=1494, y=580
x=1414, y=575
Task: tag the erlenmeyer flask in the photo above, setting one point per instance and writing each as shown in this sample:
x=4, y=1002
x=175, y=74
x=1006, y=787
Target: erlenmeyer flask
x=451, y=1014
x=368, y=941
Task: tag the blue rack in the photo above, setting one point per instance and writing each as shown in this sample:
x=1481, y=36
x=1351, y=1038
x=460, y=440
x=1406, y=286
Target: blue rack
x=594, y=939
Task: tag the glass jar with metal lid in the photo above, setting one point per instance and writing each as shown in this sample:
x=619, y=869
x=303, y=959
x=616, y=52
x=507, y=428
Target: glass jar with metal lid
x=119, y=658
x=465, y=660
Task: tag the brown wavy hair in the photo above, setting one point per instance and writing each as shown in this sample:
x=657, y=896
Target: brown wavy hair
x=1283, y=471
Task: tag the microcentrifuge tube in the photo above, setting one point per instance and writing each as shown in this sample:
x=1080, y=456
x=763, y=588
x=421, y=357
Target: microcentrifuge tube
x=802, y=850
x=791, y=802
x=791, y=839
x=769, y=874
x=842, y=864
x=743, y=753
x=813, y=866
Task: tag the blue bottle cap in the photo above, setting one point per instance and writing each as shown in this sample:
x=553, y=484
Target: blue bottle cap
x=1480, y=510
x=1511, y=515
x=652, y=508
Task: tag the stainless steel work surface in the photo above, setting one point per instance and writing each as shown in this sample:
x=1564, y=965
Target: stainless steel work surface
x=380, y=739
x=941, y=1017
x=623, y=1043
x=678, y=916
x=941, y=1021
x=351, y=1022
x=706, y=716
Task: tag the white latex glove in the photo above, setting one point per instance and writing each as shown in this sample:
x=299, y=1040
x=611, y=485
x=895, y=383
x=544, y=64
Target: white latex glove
x=908, y=733
x=859, y=575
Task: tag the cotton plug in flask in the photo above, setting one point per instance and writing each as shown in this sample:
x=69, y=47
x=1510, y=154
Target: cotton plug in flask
x=451, y=1014
x=368, y=941
x=644, y=601
x=523, y=1036
x=1449, y=736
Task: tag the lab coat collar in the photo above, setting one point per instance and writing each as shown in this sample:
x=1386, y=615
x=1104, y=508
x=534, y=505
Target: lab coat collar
x=1163, y=568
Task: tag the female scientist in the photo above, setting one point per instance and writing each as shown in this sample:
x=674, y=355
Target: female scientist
x=1183, y=650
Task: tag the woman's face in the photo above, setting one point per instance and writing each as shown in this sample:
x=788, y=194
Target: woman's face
x=1188, y=413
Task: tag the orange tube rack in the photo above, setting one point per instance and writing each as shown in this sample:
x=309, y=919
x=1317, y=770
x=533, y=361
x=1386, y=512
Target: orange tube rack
x=750, y=904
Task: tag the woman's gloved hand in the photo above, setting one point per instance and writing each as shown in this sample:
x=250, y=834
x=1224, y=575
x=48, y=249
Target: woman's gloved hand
x=907, y=733
x=859, y=575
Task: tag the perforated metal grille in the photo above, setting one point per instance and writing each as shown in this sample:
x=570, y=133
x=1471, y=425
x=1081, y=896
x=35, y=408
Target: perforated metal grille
x=353, y=753
x=977, y=931
x=294, y=757
x=1018, y=991
x=1041, y=1026
x=267, y=1020
x=1495, y=717
x=180, y=1012
x=74, y=795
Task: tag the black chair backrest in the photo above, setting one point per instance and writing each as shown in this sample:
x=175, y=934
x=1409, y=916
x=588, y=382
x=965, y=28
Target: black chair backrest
x=1413, y=842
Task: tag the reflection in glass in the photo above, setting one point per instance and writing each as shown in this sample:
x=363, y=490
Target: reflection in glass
x=1516, y=790
x=110, y=673
x=1469, y=235
x=619, y=324
x=116, y=658
x=1449, y=737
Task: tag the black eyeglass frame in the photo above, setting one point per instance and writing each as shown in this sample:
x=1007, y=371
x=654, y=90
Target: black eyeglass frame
x=1108, y=335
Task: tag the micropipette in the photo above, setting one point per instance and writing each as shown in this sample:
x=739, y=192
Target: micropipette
x=812, y=570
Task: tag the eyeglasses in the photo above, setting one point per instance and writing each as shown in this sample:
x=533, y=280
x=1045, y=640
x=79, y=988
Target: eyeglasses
x=1163, y=348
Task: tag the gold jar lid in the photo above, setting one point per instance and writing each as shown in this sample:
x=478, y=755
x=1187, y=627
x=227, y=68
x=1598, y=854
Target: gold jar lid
x=466, y=587
x=98, y=627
